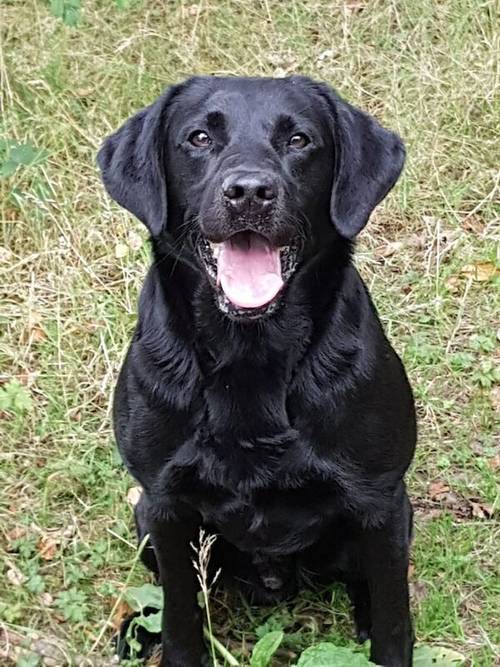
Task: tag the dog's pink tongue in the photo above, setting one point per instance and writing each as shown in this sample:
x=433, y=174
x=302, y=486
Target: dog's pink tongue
x=249, y=270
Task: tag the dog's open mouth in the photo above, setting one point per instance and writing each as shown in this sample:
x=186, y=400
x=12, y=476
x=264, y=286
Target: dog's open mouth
x=248, y=271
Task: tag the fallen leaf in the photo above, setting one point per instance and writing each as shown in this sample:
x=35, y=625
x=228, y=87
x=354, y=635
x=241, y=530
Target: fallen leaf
x=453, y=284
x=15, y=534
x=418, y=590
x=15, y=576
x=5, y=254
x=495, y=398
x=123, y=611
x=84, y=92
x=134, y=240
x=477, y=447
x=474, y=224
x=134, y=495
x=46, y=599
x=470, y=606
x=480, y=271
x=481, y=510
x=355, y=6
x=390, y=249
x=453, y=502
x=47, y=547
x=327, y=54
x=448, y=235
x=27, y=379
x=430, y=514
x=437, y=489
x=75, y=414
x=494, y=463
x=416, y=241
x=38, y=334
x=280, y=72
x=33, y=330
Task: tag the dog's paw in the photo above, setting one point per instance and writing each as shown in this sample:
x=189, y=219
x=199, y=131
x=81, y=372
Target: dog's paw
x=150, y=641
x=174, y=659
x=362, y=635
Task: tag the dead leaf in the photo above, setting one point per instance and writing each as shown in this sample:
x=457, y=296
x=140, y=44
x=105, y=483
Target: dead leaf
x=480, y=271
x=134, y=495
x=430, y=514
x=33, y=330
x=474, y=224
x=411, y=570
x=355, y=6
x=38, y=334
x=494, y=463
x=416, y=241
x=280, y=73
x=15, y=576
x=5, y=254
x=470, y=606
x=453, y=284
x=481, y=510
x=46, y=599
x=454, y=503
x=325, y=55
x=15, y=534
x=84, y=92
x=123, y=611
x=437, y=489
x=448, y=236
x=47, y=547
x=495, y=398
x=477, y=447
x=28, y=378
x=134, y=240
x=418, y=590
x=390, y=249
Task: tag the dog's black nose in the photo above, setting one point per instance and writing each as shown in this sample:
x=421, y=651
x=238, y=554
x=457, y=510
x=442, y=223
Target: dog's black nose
x=251, y=189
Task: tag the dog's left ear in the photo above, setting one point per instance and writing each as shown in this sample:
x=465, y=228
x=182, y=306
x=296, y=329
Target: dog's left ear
x=368, y=162
x=132, y=164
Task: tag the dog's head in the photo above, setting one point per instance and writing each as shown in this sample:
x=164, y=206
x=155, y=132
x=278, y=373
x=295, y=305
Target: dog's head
x=253, y=176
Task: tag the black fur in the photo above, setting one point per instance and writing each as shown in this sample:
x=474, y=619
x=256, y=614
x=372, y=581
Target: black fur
x=288, y=434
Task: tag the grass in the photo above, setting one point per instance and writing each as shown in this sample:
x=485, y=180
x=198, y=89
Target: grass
x=71, y=265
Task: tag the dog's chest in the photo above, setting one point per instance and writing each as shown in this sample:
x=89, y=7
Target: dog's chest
x=257, y=500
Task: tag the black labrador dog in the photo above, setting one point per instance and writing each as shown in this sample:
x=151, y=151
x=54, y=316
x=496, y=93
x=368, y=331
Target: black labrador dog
x=260, y=397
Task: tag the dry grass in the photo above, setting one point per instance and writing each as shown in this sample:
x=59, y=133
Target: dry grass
x=71, y=265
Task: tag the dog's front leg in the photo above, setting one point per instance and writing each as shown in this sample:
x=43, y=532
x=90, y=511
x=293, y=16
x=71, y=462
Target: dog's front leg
x=385, y=553
x=182, y=624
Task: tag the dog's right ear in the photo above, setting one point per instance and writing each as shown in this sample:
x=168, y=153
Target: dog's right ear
x=132, y=164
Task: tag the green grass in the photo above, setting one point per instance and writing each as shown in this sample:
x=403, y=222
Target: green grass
x=428, y=69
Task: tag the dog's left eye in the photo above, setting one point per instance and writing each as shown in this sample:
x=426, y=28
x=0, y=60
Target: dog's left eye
x=299, y=140
x=199, y=139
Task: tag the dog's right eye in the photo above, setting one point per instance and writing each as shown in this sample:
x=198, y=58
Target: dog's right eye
x=199, y=139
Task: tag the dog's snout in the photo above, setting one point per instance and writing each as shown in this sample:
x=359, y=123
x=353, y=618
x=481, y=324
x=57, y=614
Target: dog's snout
x=249, y=190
